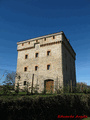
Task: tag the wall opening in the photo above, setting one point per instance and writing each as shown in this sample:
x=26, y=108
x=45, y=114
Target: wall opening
x=49, y=85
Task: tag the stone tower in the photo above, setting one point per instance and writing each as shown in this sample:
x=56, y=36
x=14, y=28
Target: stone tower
x=49, y=60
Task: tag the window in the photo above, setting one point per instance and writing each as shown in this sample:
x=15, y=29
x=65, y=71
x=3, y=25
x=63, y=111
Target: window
x=44, y=39
x=26, y=56
x=22, y=44
x=28, y=42
x=25, y=68
x=24, y=82
x=36, y=40
x=48, y=53
x=53, y=37
x=48, y=67
x=36, y=67
x=36, y=55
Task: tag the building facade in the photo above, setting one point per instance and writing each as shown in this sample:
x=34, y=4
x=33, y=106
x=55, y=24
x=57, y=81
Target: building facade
x=47, y=61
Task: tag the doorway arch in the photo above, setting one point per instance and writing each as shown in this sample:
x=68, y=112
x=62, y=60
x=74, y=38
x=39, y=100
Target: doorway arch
x=49, y=85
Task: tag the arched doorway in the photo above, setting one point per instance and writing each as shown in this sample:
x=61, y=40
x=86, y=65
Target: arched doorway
x=49, y=85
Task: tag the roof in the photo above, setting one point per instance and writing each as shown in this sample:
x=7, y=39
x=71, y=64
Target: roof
x=49, y=35
x=32, y=39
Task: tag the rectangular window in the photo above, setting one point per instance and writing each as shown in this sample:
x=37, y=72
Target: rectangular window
x=44, y=39
x=53, y=37
x=48, y=67
x=48, y=53
x=36, y=68
x=24, y=82
x=22, y=44
x=36, y=55
x=26, y=56
x=25, y=68
x=36, y=40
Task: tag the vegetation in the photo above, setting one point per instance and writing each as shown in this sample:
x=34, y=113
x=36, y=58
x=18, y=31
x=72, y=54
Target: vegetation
x=10, y=79
x=88, y=118
x=31, y=105
x=44, y=107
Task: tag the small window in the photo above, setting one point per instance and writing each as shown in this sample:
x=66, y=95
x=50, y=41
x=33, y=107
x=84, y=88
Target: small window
x=26, y=56
x=36, y=67
x=48, y=53
x=28, y=42
x=48, y=67
x=24, y=82
x=25, y=68
x=53, y=37
x=44, y=39
x=36, y=55
x=22, y=44
x=36, y=40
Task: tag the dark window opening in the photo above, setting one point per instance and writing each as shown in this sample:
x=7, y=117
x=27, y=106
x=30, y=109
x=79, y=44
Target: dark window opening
x=36, y=67
x=25, y=69
x=26, y=56
x=44, y=39
x=22, y=44
x=48, y=67
x=36, y=55
x=48, y=53
x=24, y=82
x=36, y=40
x=53, y=37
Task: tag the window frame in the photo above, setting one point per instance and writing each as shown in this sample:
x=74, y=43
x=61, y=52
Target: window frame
x=36, y=54
x=36, y=41
x=49, y=51
x=22, y=44
x=26, y=55
x=48, y=66
x=25, y=83
x=45, y=39
x=54, y=37
x=29, y=42
x=25, y=69
x=36, y=67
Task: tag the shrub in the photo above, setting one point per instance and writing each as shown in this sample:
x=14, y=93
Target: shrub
x=46, y=108
x=17, y=88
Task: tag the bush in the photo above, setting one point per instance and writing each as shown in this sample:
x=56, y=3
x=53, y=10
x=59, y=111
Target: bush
x=6, y=90
x=45, y=108
x=17, y=88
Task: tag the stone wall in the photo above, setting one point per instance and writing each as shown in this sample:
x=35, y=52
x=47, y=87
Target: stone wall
x=56, y=60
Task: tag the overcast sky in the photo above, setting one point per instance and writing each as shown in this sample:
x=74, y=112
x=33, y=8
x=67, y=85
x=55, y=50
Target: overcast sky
x=25, y=19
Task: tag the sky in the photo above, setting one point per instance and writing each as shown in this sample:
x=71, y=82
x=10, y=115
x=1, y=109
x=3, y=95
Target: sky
x=24, y=19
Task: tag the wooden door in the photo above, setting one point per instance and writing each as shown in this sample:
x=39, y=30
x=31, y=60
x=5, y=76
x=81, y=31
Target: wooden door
x=49, y=85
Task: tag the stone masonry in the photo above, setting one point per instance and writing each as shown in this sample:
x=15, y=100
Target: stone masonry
x=50, y=59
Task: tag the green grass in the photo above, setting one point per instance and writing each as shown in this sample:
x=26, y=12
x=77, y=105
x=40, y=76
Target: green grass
x=22, y=95
x=86, y=118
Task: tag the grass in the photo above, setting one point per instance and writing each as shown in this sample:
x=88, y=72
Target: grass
x=22, y=95
x=86, y=118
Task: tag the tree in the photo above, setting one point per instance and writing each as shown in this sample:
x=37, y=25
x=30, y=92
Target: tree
x=81, y=87
x=17, y=88
x=10, y=79
x=17, y=75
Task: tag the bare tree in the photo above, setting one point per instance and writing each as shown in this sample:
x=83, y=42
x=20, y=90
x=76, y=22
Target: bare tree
x=10, y=79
